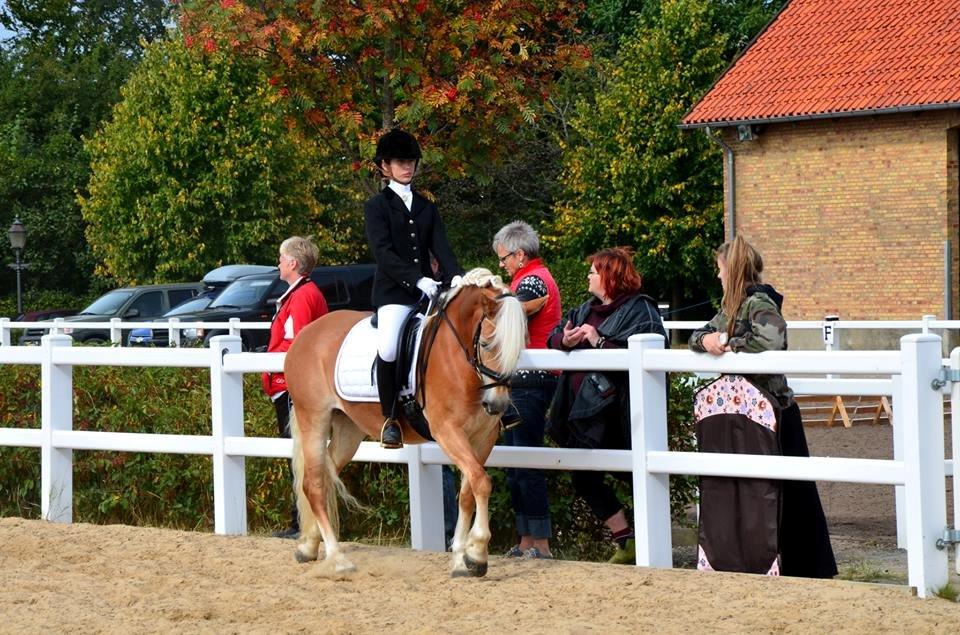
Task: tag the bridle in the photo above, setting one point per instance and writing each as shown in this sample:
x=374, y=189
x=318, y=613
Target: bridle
x=484, y=372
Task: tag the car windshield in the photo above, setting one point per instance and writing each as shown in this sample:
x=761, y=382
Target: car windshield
x=109, y=303
x=196, y=304
x=243, y=293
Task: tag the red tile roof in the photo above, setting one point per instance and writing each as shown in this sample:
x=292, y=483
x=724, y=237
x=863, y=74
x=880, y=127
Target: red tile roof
x=824, y=58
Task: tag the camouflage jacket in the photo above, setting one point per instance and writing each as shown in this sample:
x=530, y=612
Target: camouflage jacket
x=760, y=327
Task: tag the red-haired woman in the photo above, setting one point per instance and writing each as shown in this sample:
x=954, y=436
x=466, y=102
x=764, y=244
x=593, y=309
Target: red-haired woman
x=590, y=410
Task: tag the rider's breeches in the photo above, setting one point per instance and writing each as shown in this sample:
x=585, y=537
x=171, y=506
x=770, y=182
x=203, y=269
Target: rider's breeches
x=390, y=319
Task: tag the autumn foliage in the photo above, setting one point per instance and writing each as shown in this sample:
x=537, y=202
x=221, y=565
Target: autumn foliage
x=461, y=75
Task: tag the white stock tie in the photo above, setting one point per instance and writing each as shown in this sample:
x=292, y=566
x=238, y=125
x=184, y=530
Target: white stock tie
x=407, y=198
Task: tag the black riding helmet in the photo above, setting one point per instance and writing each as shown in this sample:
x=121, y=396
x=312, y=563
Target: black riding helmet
x=396, y=144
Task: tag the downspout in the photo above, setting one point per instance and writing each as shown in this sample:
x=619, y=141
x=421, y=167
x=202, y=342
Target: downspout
x=731, y=183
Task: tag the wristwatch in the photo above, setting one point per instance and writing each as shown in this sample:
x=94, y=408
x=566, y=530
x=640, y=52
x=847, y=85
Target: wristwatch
x=723, y=339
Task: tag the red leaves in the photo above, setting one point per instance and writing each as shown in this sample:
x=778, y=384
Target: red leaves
x=227, y=4
x=355, y=166
x=451, y=93
x=420, y=7
x=209, y=46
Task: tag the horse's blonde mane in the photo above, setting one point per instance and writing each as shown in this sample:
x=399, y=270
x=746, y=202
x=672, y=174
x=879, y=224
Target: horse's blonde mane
x=510, y=325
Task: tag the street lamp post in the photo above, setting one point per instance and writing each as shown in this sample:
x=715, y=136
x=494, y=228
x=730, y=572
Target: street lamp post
x=18, y=240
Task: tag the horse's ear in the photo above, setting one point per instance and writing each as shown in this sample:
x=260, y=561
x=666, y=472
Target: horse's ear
x=532, y=306
x=489, y=304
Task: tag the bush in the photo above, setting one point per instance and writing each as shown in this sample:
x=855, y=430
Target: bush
x=168, y=490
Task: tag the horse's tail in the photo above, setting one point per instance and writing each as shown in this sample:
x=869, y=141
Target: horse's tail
x=330, y=480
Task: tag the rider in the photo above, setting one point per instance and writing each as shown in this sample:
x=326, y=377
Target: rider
x=403, y=231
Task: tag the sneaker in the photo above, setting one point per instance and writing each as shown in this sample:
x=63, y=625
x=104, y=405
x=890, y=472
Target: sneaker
x=626, y=554
x=535, y=554
x=290, y=532
x=514, y=552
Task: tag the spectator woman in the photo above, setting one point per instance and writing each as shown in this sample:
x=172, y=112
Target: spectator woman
x=591, y=409
x=750, y=321
x=518, y=249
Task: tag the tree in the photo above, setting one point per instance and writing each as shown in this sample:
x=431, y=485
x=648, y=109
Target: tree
x=60, y=73
x=633, y=177
x=462, y=75
x=200, y=167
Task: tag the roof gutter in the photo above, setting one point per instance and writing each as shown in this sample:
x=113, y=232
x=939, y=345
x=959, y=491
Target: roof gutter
x=825, y=115
x=731, y=182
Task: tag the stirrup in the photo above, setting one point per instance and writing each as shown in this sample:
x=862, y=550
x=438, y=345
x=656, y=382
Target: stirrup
x=391, y=437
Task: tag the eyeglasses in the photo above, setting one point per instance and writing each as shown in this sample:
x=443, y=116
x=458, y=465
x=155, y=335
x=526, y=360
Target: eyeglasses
x=282, y=257
x=593, y=273
x=504, y=257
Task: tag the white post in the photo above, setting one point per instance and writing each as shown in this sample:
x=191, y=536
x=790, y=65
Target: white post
x=4, y=331
x=426, y=503
x=56, y=413
x=955, y=453
x=900, y=504
x=648, y=426
x=116, y=336
x=173, y=332
x=229, y=477
x=925, y=492
x=925, y=323
x=57, y=326
x=234, y=326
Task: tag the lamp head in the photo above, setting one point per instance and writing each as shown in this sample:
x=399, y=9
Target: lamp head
x=17, y=234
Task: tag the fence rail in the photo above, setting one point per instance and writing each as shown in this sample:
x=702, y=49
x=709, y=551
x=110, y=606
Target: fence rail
x=918, y=467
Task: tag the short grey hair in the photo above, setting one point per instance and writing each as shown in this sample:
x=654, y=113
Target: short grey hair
x=303, y=250
x=518, y=235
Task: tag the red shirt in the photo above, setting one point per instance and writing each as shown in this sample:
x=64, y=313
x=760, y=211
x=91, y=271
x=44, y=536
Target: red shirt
x=300, y=305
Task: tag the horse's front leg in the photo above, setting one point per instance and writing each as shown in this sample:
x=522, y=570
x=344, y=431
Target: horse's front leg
x=461, y=534
x=469, y=543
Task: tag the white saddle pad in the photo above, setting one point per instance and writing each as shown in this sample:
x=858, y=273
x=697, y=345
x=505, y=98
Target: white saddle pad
x=354, y=375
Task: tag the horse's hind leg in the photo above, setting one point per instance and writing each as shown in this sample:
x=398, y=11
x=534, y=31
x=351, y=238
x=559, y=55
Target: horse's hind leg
x=317, y=483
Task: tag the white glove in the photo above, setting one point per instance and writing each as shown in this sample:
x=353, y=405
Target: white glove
x=455, y=281
x=429, y=286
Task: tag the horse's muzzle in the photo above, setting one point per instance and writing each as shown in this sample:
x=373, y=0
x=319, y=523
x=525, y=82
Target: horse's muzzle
x=495, y=402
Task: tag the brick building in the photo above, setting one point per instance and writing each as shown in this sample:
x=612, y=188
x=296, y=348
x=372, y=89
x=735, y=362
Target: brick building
x=840, y=126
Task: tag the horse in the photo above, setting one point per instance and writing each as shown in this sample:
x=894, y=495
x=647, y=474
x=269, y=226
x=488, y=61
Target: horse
x=471, y=342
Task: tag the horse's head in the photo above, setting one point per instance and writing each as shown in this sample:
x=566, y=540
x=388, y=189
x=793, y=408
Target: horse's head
x=491, y=327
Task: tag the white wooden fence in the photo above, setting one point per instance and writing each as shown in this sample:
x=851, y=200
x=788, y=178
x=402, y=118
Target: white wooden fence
x=909, y=374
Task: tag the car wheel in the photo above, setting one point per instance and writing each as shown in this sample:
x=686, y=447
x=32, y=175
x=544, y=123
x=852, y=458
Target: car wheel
x=94, y=340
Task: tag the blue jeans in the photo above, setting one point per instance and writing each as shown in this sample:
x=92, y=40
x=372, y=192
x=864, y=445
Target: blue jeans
x=528, y=488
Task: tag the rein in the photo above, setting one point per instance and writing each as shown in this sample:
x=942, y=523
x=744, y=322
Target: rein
x=483, y=371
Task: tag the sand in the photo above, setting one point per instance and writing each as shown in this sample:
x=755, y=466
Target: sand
x=93, y=579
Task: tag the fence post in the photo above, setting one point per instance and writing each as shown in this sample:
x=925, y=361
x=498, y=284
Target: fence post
x=234, y=326
x=426, y=503
x=56, y=413
x=955, y=454
x=925, y=322
x=57, y=326
x=924, y=491
x=173, y=332
x=900, y=505
x=116, y=335
x=648, y=427
x=229, y=477
x=4, y=331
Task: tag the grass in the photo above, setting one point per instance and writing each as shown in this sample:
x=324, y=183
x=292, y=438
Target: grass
x=866, y=571
x=948, y=592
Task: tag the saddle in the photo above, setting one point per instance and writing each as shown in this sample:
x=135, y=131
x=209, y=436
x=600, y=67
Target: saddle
x=355, y=373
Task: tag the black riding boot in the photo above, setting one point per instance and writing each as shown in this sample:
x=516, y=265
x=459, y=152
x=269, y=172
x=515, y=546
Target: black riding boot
x=390, y=436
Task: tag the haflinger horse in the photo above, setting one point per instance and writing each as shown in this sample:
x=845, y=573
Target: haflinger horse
x=472, y=340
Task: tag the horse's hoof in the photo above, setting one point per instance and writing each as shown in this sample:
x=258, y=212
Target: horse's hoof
x=302, y=558
x=473, y=569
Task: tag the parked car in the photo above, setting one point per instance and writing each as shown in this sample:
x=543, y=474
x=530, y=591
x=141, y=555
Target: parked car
x=253, y=299
x=45, y=314
x=130, y=303
x=214, y=282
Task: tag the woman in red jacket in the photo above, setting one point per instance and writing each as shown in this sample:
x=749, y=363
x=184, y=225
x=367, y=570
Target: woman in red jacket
x=301, y=304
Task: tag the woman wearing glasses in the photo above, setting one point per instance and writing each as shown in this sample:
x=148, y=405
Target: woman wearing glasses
x=518, y=249
x=590, y=409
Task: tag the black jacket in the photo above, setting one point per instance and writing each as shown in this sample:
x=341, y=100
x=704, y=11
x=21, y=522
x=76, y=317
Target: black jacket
x=638, y=314
x=402, y=242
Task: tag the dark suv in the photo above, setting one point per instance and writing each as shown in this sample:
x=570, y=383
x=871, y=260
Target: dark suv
x=254, y=298
x=131, y=303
